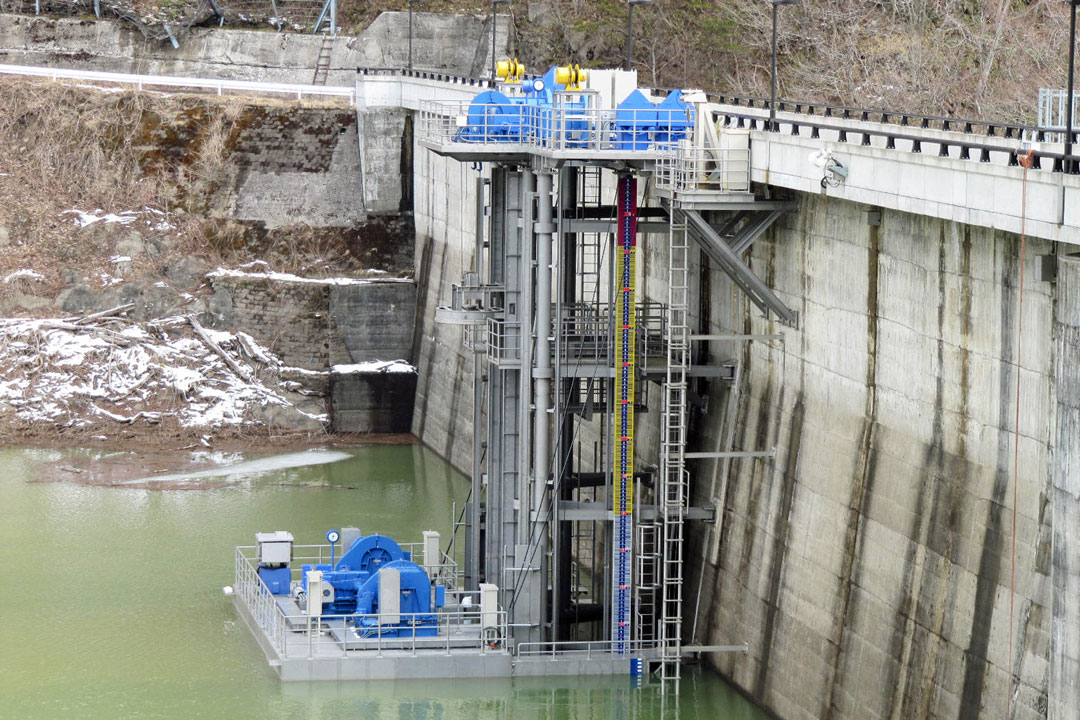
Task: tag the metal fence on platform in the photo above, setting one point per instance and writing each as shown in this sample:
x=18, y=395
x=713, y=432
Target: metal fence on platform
x=583, y=649
x=690, y=169
x=294, y=635
x=516, y=126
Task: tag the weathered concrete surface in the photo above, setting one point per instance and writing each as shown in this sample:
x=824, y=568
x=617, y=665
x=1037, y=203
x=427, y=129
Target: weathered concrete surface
x=1065, y=638
x=868, y=564
x=455, y=44
x=386, y=138
x=445, y=212
x=297, y=166
x=372, y=402
x=375, y=320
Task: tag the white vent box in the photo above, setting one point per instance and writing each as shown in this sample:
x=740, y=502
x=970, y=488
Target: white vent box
x=274, y=548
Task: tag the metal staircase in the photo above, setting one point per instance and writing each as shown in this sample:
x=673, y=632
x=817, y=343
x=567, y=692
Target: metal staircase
x=322, y=62
x=673, y=475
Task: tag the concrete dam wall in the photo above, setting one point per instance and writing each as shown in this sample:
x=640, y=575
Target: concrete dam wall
x=875, y=547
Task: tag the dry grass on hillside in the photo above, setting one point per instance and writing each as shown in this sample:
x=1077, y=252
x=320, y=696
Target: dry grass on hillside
x=163, y=159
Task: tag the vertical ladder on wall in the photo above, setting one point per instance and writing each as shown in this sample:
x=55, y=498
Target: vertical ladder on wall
x=673, y=474
x=322, y=62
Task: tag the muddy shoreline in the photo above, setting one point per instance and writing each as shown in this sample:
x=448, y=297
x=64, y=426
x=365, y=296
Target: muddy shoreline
x=141, y=439
x=132, y=460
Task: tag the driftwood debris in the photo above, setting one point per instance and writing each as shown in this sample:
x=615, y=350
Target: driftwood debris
x=102, y=314
x=110, y=336
x=241, y=372
x=151, y=417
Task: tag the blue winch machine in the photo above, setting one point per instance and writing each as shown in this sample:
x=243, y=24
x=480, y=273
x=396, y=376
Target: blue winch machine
x=524, y=113
x=377, y=581
x=375, y=585
x=531, y=108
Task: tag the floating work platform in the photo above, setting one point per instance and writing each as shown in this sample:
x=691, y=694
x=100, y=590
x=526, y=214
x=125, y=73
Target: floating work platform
x=467, y=640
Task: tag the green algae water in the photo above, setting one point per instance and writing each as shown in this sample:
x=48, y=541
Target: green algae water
x=112, y=604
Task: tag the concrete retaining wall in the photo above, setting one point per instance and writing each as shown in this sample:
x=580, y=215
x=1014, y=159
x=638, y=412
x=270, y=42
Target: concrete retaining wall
x=372, y=402
x=297, y=166
x=334, y=170
x=455, y=44
x=314, y=325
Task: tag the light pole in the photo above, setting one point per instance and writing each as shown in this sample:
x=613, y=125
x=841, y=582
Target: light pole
x=772, y=102
x=494, y=4
x=1069, y=165
x=630, y=30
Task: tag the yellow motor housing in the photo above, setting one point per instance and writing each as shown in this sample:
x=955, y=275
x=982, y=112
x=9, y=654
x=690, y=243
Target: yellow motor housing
x=572, y=76
x=510, y=71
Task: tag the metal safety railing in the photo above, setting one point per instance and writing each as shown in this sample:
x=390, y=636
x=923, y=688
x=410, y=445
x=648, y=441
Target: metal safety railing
x=296, y=635
x=945, y=146
x=587, y=328
x=687, y=169
x=584, y=648
x=546, y=127
x=446, y=572
x=219, y=87
x=1053, y=114
x=504, y=341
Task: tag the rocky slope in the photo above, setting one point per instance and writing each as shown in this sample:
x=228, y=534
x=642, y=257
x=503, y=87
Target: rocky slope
x=125, y=201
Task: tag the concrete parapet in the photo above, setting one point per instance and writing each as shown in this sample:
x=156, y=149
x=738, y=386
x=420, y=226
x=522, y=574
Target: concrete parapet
x=988, y=195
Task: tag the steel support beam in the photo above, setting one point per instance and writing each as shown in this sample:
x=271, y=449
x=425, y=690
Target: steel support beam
x=731, y=454
x=719, y=251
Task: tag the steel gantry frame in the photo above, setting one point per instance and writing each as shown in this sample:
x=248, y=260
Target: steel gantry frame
x=584, y=542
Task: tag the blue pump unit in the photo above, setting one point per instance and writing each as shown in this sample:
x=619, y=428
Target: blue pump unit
x=355, y=579
x=639, y=123
x=674, y=118
x=496, y=117
x=635, y=122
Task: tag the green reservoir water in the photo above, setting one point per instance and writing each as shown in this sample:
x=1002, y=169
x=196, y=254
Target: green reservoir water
x=112, y=604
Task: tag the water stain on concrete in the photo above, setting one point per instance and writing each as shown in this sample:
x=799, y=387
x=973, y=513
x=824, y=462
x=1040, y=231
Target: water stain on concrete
x=780, y=543
x=975, y=664
x=947, y=476
x=862, y=482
